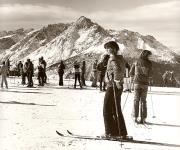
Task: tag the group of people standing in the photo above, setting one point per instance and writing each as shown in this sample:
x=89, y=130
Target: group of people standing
x=112, y=70
x=26, y=71
x=168, y=79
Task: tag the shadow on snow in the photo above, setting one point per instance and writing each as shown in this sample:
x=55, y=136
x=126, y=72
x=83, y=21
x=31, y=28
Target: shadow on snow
x=21, y=103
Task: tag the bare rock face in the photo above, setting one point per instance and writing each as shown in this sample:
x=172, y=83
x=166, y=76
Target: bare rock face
x=6, y=43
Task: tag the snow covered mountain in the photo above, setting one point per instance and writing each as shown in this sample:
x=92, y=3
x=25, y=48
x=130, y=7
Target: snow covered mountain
x=79, y=40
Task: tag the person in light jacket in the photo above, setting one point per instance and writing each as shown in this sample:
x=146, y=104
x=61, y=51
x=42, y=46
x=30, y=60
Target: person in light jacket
x=114, y=125
x=142, y=72
x=4, y=73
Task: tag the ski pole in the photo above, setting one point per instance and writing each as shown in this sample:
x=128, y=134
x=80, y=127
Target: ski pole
x=116, y=107
x=152, y=104
x=125, y=101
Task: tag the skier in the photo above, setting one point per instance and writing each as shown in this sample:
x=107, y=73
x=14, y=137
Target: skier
x=77, y=74
x=94, y=74
x=61, y=68
x=113, y=117
x=41, y=73
x=4, y=73
x=142, y=72
x=7, y=63
x=24, y=73
x=30, y=72
x=165, y=77
x=127, y=80
x=172, y=79
x=102, y=66
x=43, y=62
x=83, y=72
x=19, y=68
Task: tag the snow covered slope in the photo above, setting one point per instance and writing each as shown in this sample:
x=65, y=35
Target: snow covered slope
x=30, y=116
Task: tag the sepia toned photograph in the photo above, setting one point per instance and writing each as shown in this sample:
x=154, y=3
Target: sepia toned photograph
x=89, y=74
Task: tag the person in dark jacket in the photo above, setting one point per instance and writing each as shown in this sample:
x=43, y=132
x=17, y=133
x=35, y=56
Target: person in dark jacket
x=114, y=126
x=24, y=73
x=83, y=72
x=77, y=73
x=20, y=68
x=30, y=72
x=61, y=68
x=165, y=78
x=142, y=72
x=4, y=73
x=7, y=63
x=41, y=72
x=102, y=66
x=43, y=62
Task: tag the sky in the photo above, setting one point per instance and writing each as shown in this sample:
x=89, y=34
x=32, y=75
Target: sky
x=160, y=18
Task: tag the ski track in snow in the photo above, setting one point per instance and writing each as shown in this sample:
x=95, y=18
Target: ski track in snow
x=29, y=118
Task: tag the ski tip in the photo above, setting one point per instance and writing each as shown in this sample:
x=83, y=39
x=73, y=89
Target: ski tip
x=69, y=132
x=59, y=133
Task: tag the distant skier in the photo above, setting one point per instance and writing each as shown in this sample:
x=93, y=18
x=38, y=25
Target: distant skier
x=94, y=73
x=4, y=73
x=41, y=73
x=43, y=62
x=19, y=68
x=113, y=118
x=142, y=72
x=172, y=79
x=30, y=72
x=165, y=78
x=102, y=66
x=7, y=63
x=77, y=74
x=61, y=68
x=127, y=80
x=83, y=72
x=24, y=73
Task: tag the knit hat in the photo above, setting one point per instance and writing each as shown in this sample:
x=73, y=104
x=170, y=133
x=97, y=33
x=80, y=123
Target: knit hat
x=111, y=44
x=145, y=53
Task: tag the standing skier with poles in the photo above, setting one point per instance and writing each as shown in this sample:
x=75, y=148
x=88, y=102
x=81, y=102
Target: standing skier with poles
x=142, y=72
x=113, y=117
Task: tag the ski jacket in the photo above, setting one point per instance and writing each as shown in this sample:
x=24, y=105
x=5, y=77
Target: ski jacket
x=4, y=70
x=115, y=69
x=141, y=70
x=94, y=68
x=30, y=67
x=77, y=69
x=101, y=67
x=61, y=68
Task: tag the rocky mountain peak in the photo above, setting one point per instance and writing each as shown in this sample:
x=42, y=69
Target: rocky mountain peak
x=83, y=22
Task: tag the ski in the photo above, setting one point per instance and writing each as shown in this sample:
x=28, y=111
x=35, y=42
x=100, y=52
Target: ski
x=97, y=138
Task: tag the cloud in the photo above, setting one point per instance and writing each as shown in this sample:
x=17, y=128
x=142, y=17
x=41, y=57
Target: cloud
x=157, y=19
x=34, y=12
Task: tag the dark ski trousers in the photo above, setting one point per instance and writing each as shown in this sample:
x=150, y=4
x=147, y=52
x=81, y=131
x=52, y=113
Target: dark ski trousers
x=77, y=77
x=30, y=80
x=41, y=78
x=109, y=113
x=83, y=79
x=102, y=82
x=24, y=78
x=60, y=78
x=45, y=78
